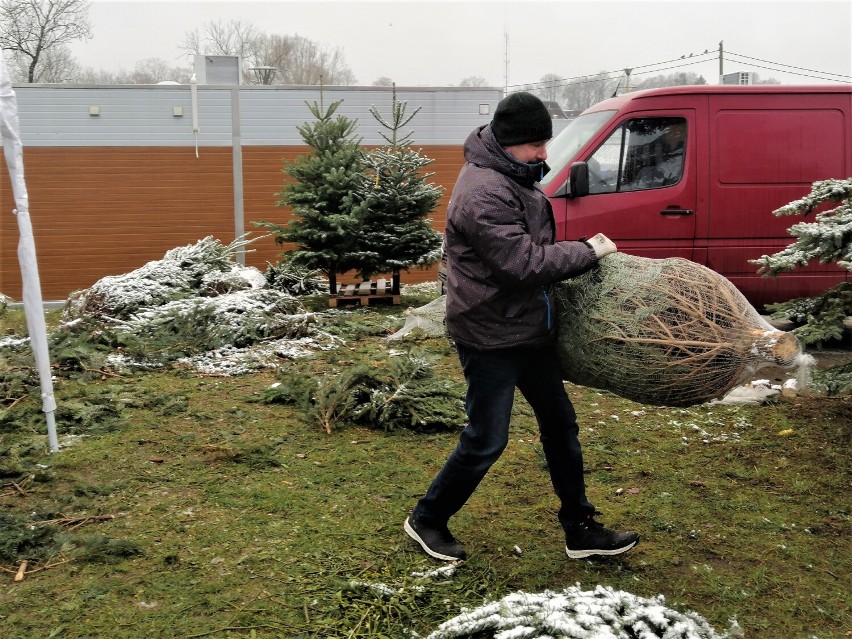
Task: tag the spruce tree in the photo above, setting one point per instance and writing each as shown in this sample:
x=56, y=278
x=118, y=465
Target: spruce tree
x=828, y=239
x=322, y=195
x=395, y=233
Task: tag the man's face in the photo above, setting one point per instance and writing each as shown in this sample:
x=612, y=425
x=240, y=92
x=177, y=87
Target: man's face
x=529, y=153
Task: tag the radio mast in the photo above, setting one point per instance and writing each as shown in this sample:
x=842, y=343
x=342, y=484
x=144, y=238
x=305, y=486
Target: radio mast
x=506, y=61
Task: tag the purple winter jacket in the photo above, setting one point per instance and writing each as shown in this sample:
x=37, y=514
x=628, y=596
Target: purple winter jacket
x=501, y=254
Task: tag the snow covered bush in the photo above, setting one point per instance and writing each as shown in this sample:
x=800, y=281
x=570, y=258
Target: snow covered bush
x=573, y=613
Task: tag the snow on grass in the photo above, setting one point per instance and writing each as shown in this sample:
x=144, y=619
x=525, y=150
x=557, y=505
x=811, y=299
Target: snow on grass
x=13, y=343
x=229, y=360
x=442, y=572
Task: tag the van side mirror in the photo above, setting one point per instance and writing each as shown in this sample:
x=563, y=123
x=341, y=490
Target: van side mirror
x=578, y=180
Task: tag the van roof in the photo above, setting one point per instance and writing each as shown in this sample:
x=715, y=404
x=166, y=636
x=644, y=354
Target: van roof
x=720, y=89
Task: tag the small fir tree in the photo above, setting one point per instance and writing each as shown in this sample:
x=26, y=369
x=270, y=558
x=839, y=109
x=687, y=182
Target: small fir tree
x=827, y=239
x=395, y=233
x=322, y=195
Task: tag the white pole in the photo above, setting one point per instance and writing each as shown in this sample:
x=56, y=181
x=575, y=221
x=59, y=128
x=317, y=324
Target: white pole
x=193, y=99
x=33, y=307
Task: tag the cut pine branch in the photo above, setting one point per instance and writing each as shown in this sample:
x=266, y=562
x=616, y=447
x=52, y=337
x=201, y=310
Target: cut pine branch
x=72, y=523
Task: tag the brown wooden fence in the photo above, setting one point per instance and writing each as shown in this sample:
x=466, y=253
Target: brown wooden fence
x=100, y=211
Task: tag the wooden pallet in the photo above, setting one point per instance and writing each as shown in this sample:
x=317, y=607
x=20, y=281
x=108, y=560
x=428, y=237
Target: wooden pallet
x=364, y=293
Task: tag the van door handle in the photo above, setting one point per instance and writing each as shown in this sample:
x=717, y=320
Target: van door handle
x=677, y=212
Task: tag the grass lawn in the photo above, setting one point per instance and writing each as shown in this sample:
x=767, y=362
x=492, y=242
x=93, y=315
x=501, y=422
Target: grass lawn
x=183, y=505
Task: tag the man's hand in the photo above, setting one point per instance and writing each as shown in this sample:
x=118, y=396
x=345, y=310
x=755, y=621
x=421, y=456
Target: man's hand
x=602, y=245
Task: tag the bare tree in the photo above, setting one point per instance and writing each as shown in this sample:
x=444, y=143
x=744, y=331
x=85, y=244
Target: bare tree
x=277, y=51
x=234, y=37
x=297, y=60
x=474, y=81
x=36, y=31
x=550, y=87
x=89, y=75
x=586, y=91
x=154, y=70
x=383, y=81
x=57, y=65
x=310, y=63
x=670, y=80
x=758, y=80
x=148, y=71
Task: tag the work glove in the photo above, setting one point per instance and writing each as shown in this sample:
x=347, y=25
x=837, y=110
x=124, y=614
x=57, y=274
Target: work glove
x=601, y=245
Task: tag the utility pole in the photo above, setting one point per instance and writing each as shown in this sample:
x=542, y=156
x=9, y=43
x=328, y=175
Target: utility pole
x=721, y=63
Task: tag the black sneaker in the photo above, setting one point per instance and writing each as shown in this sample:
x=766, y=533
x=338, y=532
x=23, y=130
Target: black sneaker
x=588, y=538
x=437, y=542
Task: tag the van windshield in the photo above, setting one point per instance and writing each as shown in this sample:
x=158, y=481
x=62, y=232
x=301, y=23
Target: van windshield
x=564, y=146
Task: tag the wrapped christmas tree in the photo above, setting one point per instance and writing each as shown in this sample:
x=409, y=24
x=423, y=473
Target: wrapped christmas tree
x=664, y=332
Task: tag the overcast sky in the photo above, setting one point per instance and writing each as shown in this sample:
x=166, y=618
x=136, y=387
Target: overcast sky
x=441, y=43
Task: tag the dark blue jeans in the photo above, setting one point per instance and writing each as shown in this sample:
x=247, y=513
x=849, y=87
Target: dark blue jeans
x=492, y=377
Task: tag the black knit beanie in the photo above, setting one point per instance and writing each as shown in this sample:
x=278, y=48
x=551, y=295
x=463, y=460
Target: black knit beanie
x=521, y=118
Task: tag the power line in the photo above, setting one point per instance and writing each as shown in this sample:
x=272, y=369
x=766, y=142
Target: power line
x=696, y=59
x=804, y=75
x=676, y=66
x=603, y=75
x=781, y=64
x=688, y=61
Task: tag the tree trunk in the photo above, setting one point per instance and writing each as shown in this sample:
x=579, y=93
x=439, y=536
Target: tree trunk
x=332, y=283
x=395, y=284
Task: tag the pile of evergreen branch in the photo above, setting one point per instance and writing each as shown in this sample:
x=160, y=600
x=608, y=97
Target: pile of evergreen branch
x=377, y=390
x=38, y=540
x=197, y=308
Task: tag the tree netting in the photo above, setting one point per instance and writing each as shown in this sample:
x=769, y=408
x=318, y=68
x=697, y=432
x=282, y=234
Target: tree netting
x=425, y=321
x=664, y=332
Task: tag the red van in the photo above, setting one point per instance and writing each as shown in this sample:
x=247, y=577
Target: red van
x=696, y=171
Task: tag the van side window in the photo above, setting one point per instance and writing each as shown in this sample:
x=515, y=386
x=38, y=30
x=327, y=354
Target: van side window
x=645, y=153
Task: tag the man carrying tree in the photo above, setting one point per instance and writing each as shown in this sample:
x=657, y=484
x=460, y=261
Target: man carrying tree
x=501, y=257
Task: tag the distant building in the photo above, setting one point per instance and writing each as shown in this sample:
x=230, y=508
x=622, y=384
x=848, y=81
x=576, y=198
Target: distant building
x=740, y=77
